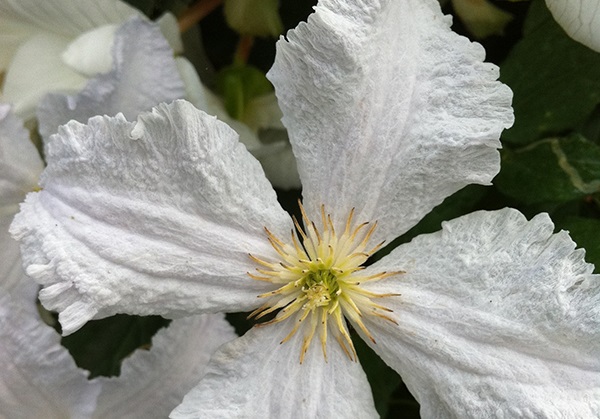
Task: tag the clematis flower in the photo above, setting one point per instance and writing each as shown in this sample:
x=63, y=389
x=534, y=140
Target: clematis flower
x=144, y=73
x=388, y=113
x=58, y=45
x=579, y=18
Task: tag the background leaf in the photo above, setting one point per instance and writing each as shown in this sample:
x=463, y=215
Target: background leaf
x=555, y=80
x=551, y=170
x=101, y=345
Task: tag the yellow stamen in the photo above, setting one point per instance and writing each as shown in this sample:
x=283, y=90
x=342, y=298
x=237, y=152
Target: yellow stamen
x=319, y=276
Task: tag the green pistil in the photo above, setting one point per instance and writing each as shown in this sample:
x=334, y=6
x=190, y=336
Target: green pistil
x=321, y=287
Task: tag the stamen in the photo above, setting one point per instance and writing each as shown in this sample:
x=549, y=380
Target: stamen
x=318, y=276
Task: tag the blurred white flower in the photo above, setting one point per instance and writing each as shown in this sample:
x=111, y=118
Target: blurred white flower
x=54, y=45
x=579, y=18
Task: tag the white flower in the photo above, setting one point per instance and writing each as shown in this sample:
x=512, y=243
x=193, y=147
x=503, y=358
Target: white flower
x=57, y=45
x=579, y=18
x=388, y=113
x=143, y=74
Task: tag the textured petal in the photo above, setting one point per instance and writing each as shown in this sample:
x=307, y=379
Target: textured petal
x=153, y=217
x=20, y=167
x=273, y=150
x=39, y=378
x=144, y=75
x=579, y=18
x=152, y=383
x=388, y=111
x=257, y=377
x=497, y=317
x=20, y=19
x=35, y=70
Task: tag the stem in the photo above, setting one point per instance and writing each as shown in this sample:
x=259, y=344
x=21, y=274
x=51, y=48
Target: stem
x=196, y=13
x=243, y=49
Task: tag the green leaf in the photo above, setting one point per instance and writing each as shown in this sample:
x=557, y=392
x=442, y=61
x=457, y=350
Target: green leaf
x=555, y=80
x=254, y=17
x=238, y=84
x=382, y=378
x=101, y=345
x=551, y=170
x=584, y=231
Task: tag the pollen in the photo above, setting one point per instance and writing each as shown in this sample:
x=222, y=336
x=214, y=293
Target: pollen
x=318, y=279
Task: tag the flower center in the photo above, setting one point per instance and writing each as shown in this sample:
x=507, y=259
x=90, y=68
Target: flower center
x=319, y=281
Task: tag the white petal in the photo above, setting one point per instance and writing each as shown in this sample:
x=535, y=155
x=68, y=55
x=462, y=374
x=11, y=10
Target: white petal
x=20, y=163
x=497, y=317
x=90, y=53
x=20, y=167
x=144, y=75
x=276, y=157
x=35, y=70
x=153, y=382
x=194, y=90
x=257, y=377
x=170, y=30
x=39, y=378
x=20, y=19
x=388, y=111
x=153, y=217
x=579, y=18
x=263, y=112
